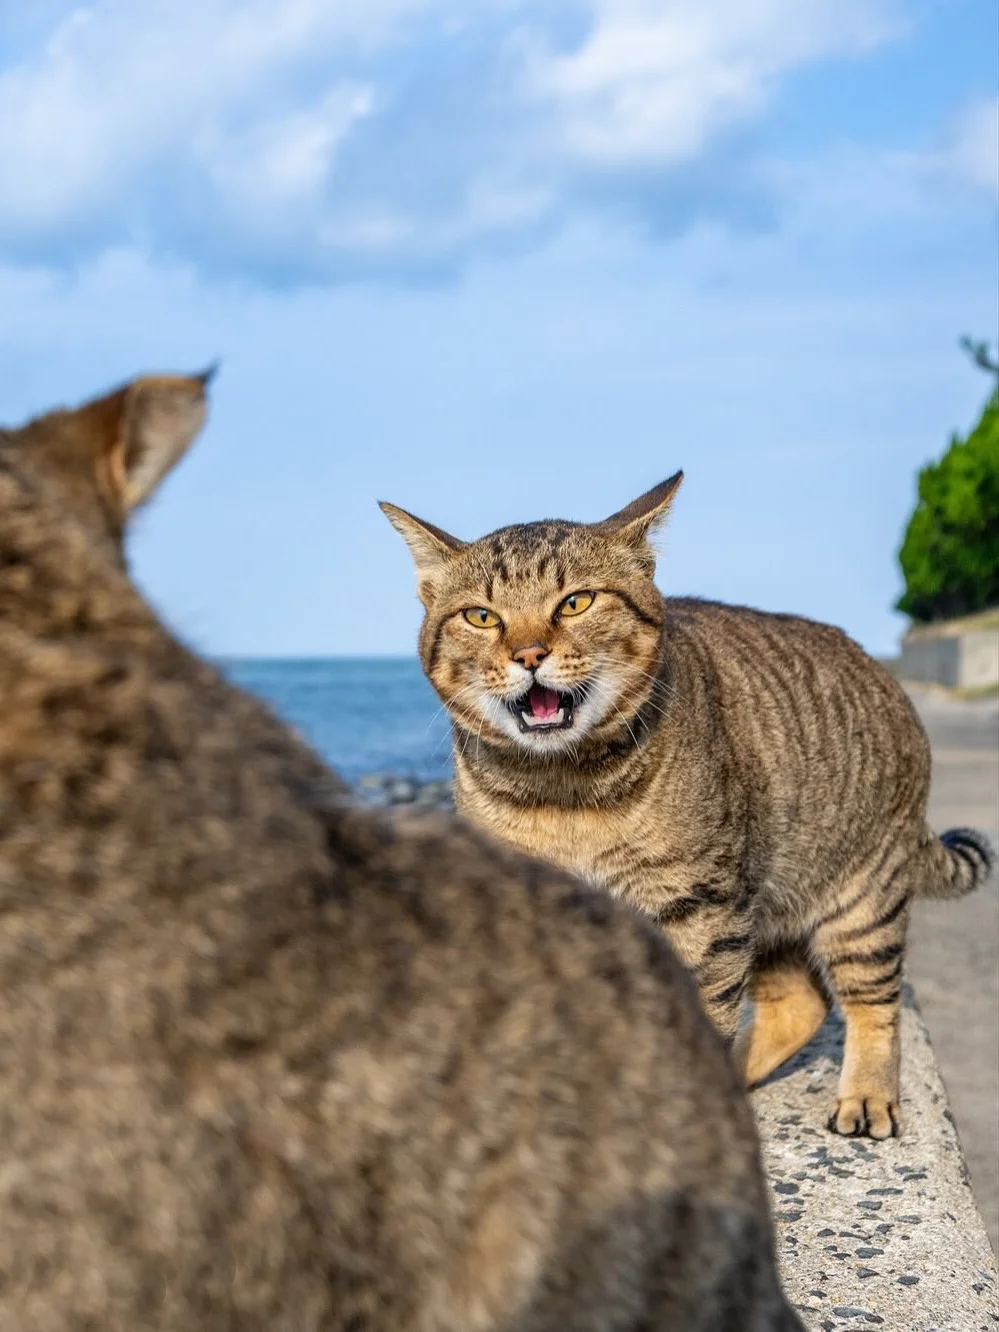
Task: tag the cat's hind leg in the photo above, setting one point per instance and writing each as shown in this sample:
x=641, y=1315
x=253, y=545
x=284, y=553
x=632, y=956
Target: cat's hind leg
x=789, y=1005
x=861, y=943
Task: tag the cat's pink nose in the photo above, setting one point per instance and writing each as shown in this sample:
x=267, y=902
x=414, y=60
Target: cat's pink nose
x=532, y=656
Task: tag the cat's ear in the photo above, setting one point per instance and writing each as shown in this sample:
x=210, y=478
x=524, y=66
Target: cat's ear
x=430, y=546
x=633, y=524
x=142, y=430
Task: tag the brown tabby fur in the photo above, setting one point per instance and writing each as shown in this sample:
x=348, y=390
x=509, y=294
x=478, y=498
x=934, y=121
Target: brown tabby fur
x=271, y=1063
x=754, y=782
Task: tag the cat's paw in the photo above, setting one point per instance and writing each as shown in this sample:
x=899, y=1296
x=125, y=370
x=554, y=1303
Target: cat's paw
x=871, y=1117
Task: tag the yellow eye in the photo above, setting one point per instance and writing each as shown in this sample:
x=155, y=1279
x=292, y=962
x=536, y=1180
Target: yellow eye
x=576, y=603
x=481, y=618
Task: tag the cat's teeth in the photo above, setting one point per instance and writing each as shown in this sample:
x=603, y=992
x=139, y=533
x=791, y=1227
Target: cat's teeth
x=543, y=722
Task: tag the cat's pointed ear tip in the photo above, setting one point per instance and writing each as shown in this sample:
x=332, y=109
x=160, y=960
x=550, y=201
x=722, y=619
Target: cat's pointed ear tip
x=665, y=490
x=404, y=523
x=207, y=376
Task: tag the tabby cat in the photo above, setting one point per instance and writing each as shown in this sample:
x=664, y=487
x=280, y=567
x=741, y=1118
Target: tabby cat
x=754, y=782
x=272, y=1064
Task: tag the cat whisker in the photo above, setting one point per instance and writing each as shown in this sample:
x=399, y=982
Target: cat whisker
x=465, y=689
x=620, y=714
x=657, y=682
x=446, y=706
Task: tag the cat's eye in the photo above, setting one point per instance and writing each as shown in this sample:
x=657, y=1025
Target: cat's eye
x=576, y=603
x=481, y=618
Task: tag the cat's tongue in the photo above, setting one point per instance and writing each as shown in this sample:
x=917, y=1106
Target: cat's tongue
x=544, y=702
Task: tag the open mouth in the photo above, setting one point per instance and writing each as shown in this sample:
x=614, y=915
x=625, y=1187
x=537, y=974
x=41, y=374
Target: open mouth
x=543, y=709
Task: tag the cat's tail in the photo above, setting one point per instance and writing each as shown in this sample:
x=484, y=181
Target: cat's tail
x=956, y=863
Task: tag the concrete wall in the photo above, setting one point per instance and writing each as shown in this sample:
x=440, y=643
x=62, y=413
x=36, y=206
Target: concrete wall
x=980, y=658
x=967, y=660
x=930, y=660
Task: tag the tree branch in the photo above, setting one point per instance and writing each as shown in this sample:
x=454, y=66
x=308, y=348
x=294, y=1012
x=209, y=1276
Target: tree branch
x=979, y=353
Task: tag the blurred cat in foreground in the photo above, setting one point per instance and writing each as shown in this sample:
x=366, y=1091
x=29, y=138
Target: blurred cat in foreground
x=273, y=1062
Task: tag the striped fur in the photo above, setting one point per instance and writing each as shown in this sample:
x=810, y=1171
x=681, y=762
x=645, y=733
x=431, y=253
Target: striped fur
x=754, y=782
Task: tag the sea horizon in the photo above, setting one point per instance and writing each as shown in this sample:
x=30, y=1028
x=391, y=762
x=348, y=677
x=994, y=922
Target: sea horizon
x=364, y=714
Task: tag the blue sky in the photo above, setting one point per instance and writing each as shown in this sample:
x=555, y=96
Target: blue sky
x=497, y=261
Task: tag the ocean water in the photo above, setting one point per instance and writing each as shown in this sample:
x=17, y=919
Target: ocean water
x=364, y=715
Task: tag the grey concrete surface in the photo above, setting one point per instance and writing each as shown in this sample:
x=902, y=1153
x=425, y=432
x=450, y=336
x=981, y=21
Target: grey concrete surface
x=874, y=1234
x=967, y=660
x=953, y=958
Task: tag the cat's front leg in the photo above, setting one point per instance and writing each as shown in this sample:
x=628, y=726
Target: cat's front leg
x=710, y=927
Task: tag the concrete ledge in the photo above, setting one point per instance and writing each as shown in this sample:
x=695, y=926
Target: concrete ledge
x=875, y=1234
x=962, y=654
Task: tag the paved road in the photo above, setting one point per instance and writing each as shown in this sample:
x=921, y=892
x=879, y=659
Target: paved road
x=954, y=950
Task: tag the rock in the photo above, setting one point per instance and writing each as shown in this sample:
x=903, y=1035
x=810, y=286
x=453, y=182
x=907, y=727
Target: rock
x=433, y=795
x=401, y=791
x=390, y=789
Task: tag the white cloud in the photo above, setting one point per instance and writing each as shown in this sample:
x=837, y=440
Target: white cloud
x=273, y=164
x=969, y=153
x=314, y=138
x=655, y=79
x=124, y=89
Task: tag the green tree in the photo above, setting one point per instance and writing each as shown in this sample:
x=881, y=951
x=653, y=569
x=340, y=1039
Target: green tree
x=950, y=554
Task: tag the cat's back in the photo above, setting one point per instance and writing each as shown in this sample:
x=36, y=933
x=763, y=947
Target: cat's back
x=808, y=723
x=788, y=663
x=550, y=1037
x=732, y=631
